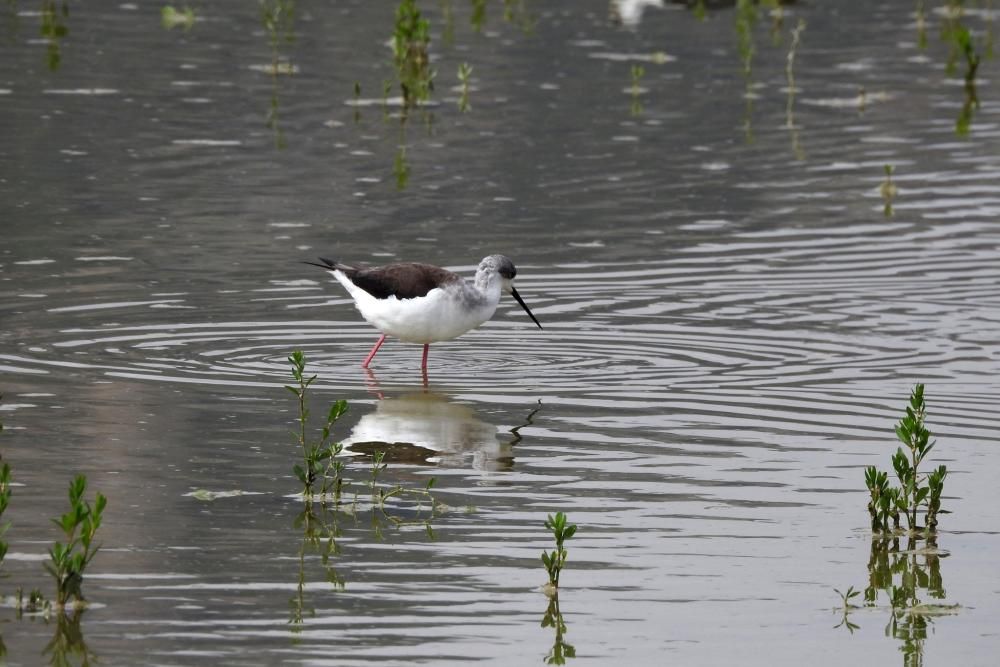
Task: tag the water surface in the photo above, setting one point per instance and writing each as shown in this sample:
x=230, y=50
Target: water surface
x=732, y=325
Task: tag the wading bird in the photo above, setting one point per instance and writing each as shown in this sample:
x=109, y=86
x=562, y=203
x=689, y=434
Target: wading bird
x=420, y=303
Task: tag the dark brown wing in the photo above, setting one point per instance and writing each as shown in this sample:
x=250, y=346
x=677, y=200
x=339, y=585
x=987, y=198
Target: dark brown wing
x=403, y=281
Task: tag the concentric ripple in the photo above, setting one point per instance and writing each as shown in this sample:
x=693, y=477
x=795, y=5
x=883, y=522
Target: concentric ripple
x=777, y=312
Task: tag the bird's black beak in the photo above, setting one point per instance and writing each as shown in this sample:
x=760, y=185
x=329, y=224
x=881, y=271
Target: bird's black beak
x=518, y=298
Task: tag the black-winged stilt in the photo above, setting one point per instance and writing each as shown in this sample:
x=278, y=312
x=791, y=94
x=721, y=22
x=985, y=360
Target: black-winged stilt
x=420, y=303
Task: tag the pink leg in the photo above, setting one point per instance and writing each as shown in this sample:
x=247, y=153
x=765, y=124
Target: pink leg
x=371, y=355
x=427, y=347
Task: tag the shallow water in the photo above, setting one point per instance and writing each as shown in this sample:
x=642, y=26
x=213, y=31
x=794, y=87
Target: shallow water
x=731, y=327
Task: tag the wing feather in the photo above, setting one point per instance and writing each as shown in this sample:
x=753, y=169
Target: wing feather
x=403, y=281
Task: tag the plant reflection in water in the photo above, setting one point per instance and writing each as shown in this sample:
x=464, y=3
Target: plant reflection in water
x=320, y=524
x=903, y=577
x=68, y=645
x=553, y=618
x=320, y=531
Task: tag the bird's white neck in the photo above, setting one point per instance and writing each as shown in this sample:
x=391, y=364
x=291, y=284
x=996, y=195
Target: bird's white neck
x=487, y=282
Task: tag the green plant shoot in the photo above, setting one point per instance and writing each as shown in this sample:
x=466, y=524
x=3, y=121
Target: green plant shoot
x=554, y=561
x=915, y=490
x=410, y=42
x=69, y=559
x=318, y=458
x=4, y=499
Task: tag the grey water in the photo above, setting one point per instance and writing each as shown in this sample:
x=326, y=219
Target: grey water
x=732, y=320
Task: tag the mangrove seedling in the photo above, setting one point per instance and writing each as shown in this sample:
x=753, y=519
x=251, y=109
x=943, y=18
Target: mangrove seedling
x=378, y=466
x=4, y=499
x=921, y=25
x=478, y=17
x=846, y=597
x=790, y=75
x=278, y=20
x=915, y=490
x=746, y=19
x=888, y=191
x=963, y=43
x=171, y=17
x=699, y=10
x=847, y=608
x=69, y=560
x=410, y=42
x=555, y=561
x=638, y=71
x=401, y=168
x=357, y=102
x=386, y=89
x=34, y=604
x=464, y=72
x=54, y=30
x=318, y=458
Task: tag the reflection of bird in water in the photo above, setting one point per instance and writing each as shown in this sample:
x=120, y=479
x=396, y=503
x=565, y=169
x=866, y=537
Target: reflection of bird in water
x=427, y=428
x=629, y=12
x=420, y=303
